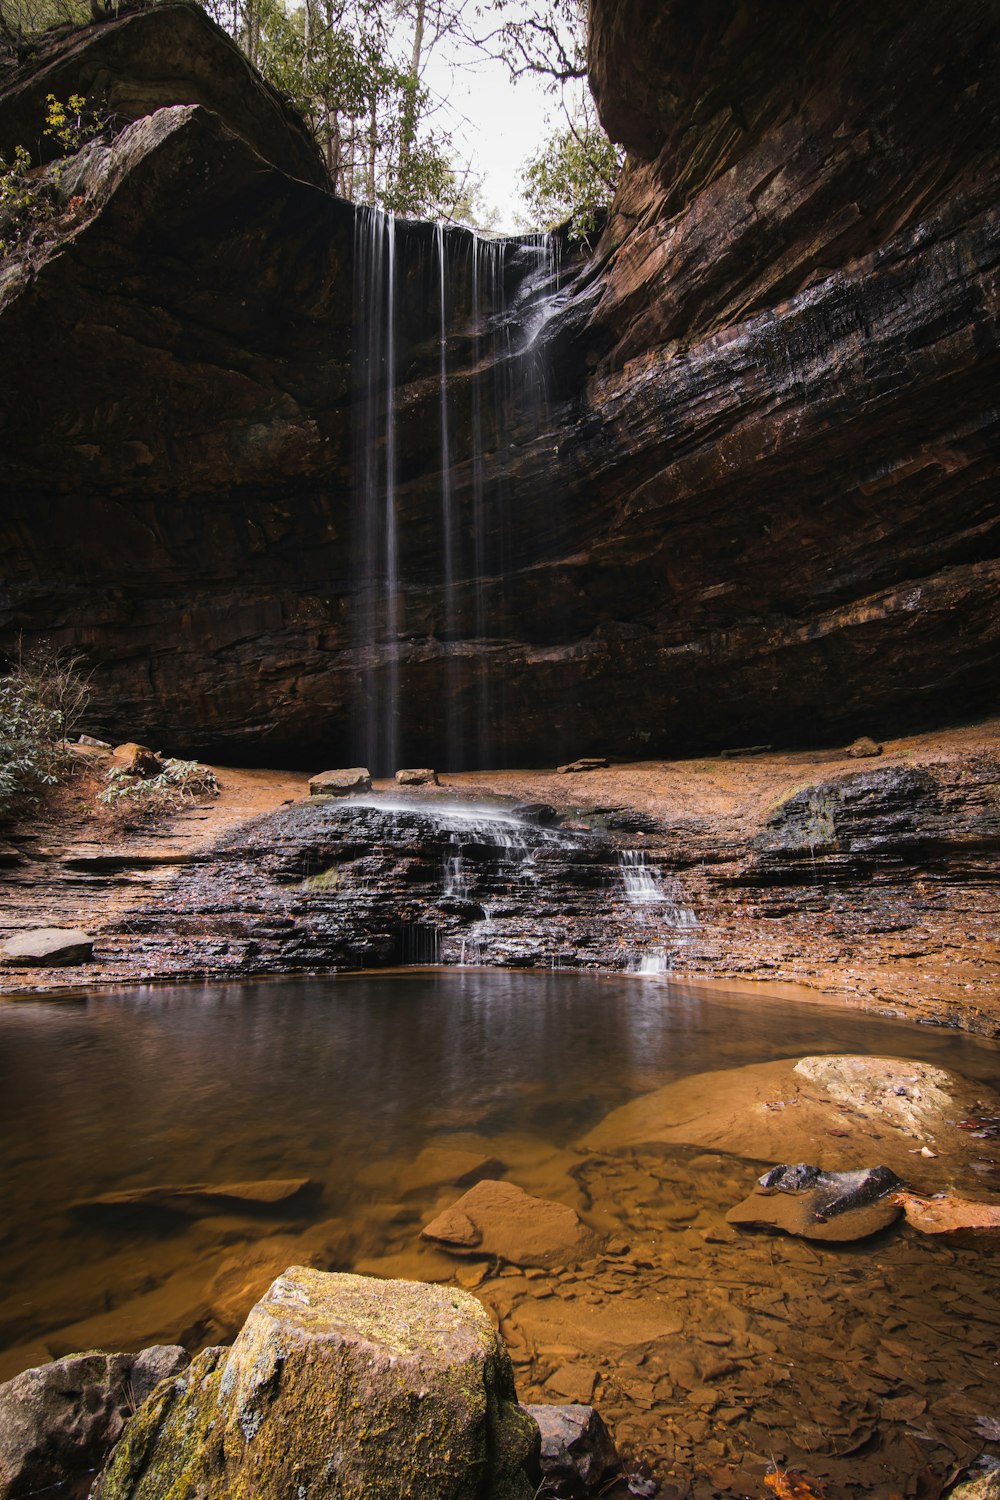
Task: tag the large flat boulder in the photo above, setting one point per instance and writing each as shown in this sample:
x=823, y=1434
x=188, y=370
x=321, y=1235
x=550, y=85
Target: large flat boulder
x=839, y=1112
x=339, y=1388
x=45, y=946
x=340, y=783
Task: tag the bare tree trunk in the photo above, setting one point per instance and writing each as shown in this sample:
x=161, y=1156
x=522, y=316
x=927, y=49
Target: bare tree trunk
x=372, y=149
x=408, y=123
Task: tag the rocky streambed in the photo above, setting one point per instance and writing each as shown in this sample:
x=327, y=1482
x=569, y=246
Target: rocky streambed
x=554, y=1146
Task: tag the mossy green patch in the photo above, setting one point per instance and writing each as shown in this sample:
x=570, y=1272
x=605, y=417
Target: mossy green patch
x=338, y=1388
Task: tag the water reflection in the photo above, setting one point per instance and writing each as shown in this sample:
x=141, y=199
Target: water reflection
x=323, y=1078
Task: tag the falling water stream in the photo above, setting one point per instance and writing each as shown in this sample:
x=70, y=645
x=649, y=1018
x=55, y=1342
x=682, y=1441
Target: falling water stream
x=377, y=542
x=496, y=297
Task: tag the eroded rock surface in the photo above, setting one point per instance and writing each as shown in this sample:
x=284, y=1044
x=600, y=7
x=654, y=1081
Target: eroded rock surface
x=760, y=506
x=59, y=1421
x=876, y=885
x=344, y=1387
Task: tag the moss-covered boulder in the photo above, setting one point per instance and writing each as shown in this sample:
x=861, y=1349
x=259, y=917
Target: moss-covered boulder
x=338, y=1388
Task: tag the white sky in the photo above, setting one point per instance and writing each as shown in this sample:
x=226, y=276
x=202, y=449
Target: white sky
x=495, y=124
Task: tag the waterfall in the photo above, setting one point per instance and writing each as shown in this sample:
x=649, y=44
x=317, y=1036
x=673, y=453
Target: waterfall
x=376, y=543
x=490, y=303
x=654, y=964
x=644, y=886
x=658, y=904
x=640, y=882
x=447, y=517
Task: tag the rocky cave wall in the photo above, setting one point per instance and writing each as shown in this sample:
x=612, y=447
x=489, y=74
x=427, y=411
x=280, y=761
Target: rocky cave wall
x=759, y=505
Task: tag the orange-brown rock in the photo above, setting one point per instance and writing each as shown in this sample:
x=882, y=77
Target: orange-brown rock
x=964, y=1220
x=498, y=1218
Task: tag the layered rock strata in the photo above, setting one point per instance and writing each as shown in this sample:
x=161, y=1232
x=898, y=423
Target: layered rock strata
x=877, y=885
x=756, y=504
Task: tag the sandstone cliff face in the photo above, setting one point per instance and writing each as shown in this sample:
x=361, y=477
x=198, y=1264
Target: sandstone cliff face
x=757, y=501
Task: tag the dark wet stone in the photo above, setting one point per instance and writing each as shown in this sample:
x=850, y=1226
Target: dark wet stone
x=836, y=1206
x=835, y=1192
x=541, y=813
x=577, y=1448
x=58, y=1421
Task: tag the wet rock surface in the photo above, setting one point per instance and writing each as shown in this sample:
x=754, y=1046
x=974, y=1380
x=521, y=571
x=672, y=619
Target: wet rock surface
x=832, y=1206
x=59, y=1421
x=768, y=1111
x=348, y=1386
x=500, y=1219
x=877, y=886
x=207, y=1197
x=712, y=1355
x=770, y=400
x=964, y=1220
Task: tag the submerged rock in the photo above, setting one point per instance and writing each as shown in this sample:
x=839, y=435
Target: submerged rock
x=43, y=946
x=59, y=1421
x=339, y=1388
x=205, y=1197
x=837, y=1111
x=815, y=1205
x=440, y=1165
x=577, y=1448
x=498, y=1218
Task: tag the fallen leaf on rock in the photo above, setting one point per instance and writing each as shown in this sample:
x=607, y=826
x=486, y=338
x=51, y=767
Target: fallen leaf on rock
x=640, y=1481
x=786, y=1485
x=948, y=1214
x=988, y=1428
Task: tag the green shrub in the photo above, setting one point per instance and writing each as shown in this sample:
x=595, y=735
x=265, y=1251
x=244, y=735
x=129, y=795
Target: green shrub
x=32, y=749
x=41, y=701
x=137, y=799
x=28, y=194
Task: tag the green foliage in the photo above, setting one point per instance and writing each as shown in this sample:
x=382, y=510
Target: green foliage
x=137, y=799
x=29, y=744
x=352, y=69
x=574, y=175
x=20, y=200
x=40, y=700
x=27, y=192
x=72, y=124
